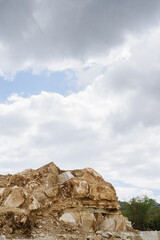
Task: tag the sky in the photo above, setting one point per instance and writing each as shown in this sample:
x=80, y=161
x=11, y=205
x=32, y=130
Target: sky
x=80, y=86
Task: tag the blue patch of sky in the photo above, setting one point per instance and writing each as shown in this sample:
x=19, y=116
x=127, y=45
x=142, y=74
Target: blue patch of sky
x=26, y=83
x=126, y=185
x=120, y=184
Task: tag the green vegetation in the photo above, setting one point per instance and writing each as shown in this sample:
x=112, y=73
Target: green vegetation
x=144, y=213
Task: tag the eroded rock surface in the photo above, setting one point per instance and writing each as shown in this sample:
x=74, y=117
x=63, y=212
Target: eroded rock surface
x=51, y=201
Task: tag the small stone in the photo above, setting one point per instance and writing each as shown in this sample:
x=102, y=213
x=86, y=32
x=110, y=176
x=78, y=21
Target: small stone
x=68, y=218
x=7, y=229
x=35, y=204
x=1, y=191
x=98, y=237
x=15, y=199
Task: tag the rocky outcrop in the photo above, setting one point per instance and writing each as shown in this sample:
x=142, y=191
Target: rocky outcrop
x=53, y=201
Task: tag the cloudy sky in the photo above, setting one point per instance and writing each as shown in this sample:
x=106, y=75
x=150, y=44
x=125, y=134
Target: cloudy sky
x=80, y=86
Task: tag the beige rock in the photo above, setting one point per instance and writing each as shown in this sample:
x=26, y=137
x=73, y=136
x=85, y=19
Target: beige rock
x=1, y=191
x=105, y=234
x=100, y=192
x=149, y=235
x=88, y=221
x=26, y=172
x=93, y=172
x=52, y=192
x=80, y=188
x=63, y=177
x=17, y=180
x=32, y=185
x=7, y=229
x=99, y=217
x=68, y=218
x=15, y=199
x=79, y=201
x=98, y=237
x=34, y=204
x=51, y=180
x=114, y=223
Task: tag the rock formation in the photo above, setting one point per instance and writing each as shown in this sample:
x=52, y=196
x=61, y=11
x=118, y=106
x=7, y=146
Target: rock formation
x=49, y=201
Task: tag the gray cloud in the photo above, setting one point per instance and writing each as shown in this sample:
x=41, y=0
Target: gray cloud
x=36, y=33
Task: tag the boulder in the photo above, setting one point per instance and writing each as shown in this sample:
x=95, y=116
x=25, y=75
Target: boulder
x=15, y=198
x=34, y=205
x=88, y=221
x=63, y=177
x=114, y=223
x=68, y=218
x=52, y=200
x=80, y=188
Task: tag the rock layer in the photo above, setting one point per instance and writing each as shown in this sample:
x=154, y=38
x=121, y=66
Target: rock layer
x=50, y=200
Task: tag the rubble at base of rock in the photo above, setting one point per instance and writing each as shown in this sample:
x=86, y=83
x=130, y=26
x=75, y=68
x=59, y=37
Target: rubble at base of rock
x=75, y=204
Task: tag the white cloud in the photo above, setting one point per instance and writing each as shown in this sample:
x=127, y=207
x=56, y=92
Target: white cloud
x=126, y=193
x=112, y=129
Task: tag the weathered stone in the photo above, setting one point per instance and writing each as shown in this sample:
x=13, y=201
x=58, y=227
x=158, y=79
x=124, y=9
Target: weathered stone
x=57, y=201
x=63, y=177
x=7, y=229
x=105, y=234
x=51, y=180
x=149, y=235
x=34, y=204
x=113, y=223
x=67, y=218
x=88, y=221
x=98, y=237
x=17, y=180
x=32, y=185
x=15, y=199
x=1, y=191
x=99, y=218
x=15, y=219
x=80, y=188
x=100, y=192
x=52, y=192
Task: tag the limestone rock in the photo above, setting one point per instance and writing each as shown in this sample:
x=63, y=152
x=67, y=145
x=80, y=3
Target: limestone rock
x=15, y=198
x=88, y=221
x=98, y=237
x=114, y=223
x=1, y=191
x=32, y=185
x=68, y=218
x=50, y=200
x=80, y=188
x=52, y=192
x=7, y=229
x=63, y=177
x=34, y=205
x=17, y=180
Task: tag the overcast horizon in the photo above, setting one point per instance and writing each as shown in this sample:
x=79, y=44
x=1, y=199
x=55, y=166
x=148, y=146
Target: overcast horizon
x=80, y=86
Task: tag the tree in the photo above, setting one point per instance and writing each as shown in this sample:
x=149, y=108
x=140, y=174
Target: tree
x=141, y=212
